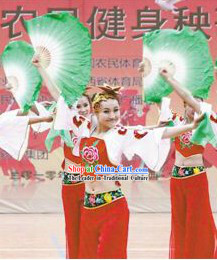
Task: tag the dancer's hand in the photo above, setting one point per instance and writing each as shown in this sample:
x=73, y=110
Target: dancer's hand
x=198, y=120
x=34, y=109
x=36, y=61
x=163, y=123
x=6, y=86
x=165, y=74
x=141, y=67
x=49, y=118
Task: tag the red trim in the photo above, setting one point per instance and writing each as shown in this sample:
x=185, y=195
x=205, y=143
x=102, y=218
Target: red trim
x=139, y=136
x=213, y=119
x=79, y=121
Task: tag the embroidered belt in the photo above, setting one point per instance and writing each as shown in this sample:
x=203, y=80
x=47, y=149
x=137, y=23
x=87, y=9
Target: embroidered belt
x=182, y=172
x=70, y=178
x=96, y=200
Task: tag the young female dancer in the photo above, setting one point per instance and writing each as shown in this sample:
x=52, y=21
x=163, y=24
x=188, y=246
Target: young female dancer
x=193, y=232
x=72, y=191
x=105, y=216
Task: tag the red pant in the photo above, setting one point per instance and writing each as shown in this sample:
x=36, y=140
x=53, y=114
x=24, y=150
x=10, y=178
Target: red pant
x=73, y=197
x=104, y=231
x=193, y=232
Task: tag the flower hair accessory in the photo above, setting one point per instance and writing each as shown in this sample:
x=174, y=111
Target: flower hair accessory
x=108, y=93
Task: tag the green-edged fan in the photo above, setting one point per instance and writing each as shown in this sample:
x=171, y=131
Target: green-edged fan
x=185, y=54
x=63, y=46
x=23, y=78
x=206, y=132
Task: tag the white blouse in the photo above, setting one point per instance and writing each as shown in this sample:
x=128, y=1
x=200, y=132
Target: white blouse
x=14, y=132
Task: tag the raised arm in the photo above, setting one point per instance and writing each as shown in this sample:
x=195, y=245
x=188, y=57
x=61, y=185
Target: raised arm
x=37, y=120
x=178, y=130
x=182, y=92
x=52, y=87
x=149, y=127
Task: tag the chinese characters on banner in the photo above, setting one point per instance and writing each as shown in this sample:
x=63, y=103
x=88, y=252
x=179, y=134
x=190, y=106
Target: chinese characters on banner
x=110, y=23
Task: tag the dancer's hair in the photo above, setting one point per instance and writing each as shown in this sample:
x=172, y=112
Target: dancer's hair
x=88, y=98
x=108, y=93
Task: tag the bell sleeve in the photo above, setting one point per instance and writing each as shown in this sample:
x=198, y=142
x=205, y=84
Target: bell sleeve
x=43, y=112
x=14, y=133
x=148, y=144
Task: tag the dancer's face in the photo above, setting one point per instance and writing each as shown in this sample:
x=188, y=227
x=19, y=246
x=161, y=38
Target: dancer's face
x=83, y=106
x=108, y=114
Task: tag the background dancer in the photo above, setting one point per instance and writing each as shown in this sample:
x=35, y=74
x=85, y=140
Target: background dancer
x=193, y=233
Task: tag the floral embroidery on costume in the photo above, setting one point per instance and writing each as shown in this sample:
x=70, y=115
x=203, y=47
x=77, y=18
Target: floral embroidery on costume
x=179, y=172
x=95, y=200
x=185, y=140
x=90, y=154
